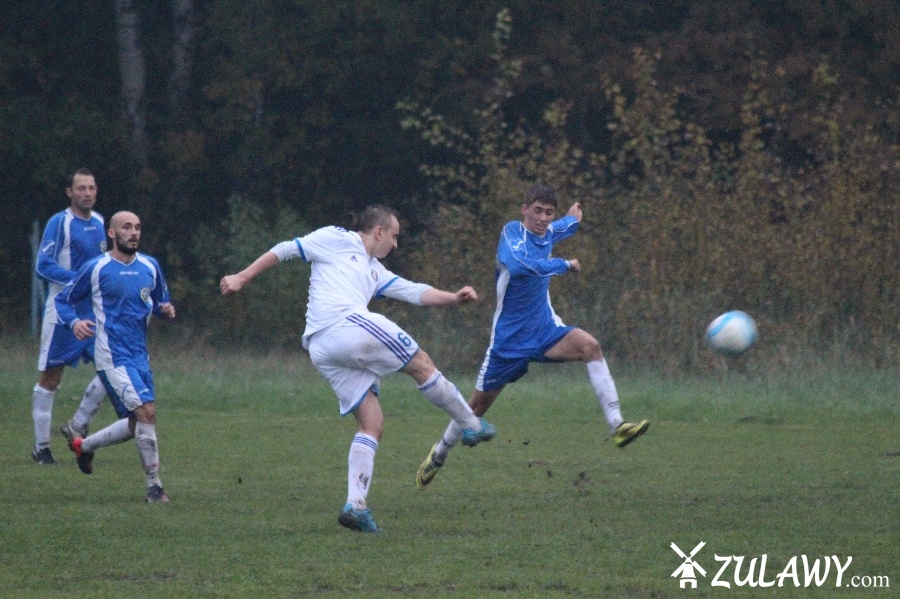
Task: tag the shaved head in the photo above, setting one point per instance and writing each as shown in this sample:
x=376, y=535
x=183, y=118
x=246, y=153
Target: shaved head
x=125, y=232
x=118, y=217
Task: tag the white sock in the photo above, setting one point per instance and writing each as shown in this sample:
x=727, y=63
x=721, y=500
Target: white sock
x=42, y=414
x=117, y=432
x=451, y=437
x=446, y=396
x=360, y=466
x=90, y=404
x=605, y=388
x=148, y=449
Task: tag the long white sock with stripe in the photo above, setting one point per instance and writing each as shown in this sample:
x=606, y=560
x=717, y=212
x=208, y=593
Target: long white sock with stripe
x=451, y=437
x=605, y=389
x=360, y=466
x=446, y=396
x=42, y=414
x=90, y=404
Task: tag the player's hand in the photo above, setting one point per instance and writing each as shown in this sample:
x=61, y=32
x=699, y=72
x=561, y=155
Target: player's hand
x=83, y=329
x=574, y=266
x=575, y=211
x=466, y=295
x=230, y=284
x=167, y=310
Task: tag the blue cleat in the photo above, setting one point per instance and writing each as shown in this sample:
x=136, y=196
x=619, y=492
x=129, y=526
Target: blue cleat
x=360, y=520
x=471, y=437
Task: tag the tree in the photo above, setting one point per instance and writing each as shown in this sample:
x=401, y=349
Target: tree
x=132, y=71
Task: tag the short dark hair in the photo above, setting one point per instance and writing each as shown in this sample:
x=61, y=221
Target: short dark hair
x=83, y=172
x=541, y=193
x=374, y=216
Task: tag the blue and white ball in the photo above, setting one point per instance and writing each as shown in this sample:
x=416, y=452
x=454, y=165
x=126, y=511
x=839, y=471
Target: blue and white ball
x=732, y=333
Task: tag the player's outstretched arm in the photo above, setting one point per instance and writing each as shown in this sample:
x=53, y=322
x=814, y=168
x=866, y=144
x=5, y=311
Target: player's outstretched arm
x=233, y=283
x=438, y=297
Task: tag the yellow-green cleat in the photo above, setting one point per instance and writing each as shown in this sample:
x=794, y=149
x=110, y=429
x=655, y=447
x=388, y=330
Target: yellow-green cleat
x=629, y=431
x=427, y=470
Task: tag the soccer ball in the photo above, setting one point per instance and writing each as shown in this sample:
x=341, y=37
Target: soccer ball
x=731, y=333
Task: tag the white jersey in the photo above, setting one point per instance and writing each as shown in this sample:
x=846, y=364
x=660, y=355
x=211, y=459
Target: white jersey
x=344, y=277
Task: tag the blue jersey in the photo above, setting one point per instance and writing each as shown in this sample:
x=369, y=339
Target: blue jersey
x=525, y=264
x=69, y=242
x=123, y=298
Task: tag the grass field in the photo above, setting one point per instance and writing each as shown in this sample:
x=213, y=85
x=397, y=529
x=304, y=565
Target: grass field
x=254, y=460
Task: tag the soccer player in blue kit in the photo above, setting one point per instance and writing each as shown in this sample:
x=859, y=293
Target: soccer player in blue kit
x=526, y=329
x=71, y=238
x=353, y=347
x=125, y=288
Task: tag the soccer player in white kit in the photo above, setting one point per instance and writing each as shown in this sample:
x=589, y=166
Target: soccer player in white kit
x=125, y=289
x=353, y=347
x=71, y=238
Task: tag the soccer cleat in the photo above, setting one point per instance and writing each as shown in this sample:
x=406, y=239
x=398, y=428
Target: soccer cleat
x=360, y=520
x=84, y=459
x=629, y=431
x=70, y=432
x=427, y=470
x=155, y=494
x=471, y=437
x=44, y=457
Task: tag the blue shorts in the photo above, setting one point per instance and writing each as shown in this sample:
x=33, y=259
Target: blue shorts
x=128, y=388
x=60, y=347
x=502, y=366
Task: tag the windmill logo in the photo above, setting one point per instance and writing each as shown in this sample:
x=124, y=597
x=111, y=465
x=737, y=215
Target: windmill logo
x=688, y=570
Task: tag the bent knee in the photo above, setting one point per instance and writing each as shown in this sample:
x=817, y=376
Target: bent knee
x=590, y=349
x=420, y=367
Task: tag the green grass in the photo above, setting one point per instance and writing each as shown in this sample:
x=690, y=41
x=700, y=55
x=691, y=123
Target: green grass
x=254, y=459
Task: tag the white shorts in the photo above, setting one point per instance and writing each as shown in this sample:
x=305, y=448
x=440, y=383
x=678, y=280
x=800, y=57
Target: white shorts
x=356, y=352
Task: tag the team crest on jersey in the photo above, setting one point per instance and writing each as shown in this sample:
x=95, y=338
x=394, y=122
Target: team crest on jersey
x=374, y=275
x=145, y=295
x=103, y=246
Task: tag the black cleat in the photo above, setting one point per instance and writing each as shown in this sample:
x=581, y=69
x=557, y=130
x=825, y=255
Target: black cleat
x=44, y=457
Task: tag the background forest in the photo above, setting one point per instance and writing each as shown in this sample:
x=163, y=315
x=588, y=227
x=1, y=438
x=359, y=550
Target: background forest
x=728, y=155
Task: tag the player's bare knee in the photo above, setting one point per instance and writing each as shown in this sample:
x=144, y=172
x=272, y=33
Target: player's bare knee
x=146, y=413
x=50, y=378
x=420, y=367
x=590, y=349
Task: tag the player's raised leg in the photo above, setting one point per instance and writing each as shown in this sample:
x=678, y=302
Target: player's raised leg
x=480, y=402
x=580, y=345
x=84, y=448
x=446, y=396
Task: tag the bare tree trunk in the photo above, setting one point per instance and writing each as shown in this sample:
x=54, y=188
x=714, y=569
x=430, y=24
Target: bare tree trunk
x=182, y=53
x=133, y=73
